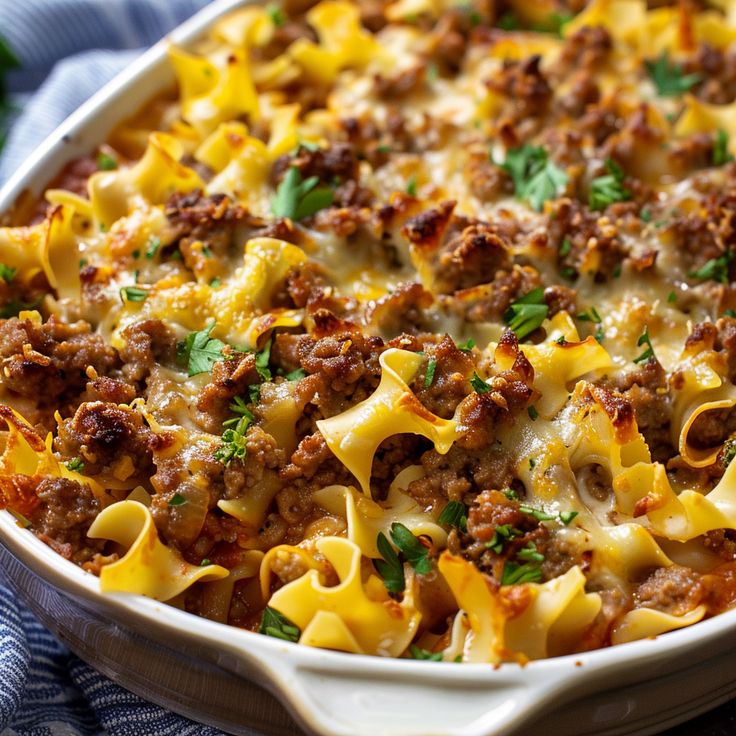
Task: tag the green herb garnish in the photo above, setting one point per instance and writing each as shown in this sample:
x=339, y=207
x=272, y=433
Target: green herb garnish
x=277, y=625
x=649, y=352
x=7, y=273
x=721, y=154
x=276, y=15
x=152, y=247
x=536, y=179
x=454, y=514
x=295, y=375
x=417, y=555
x=199, y=352
x=609, y=188
x=233, y=439
x=106, y=162
x=567, y=516
x=411, y=186
x=425, y=654
x=297, y=199
x=715, y=269
x=263, y=356
x=429, y=375
x=668, y=77
x=590, y=315
x=538, y=515
x=133, y=294
x=177, y=500
x=516, y=574
x=527, y=314
x=480, y=386
x=76, y=465
x=533, y=413
x=390, y=567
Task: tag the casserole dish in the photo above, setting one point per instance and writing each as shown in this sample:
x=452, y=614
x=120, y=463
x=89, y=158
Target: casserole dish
x=327, y=692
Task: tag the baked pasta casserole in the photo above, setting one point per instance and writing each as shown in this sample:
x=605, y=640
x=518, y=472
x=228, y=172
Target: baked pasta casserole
x=398, y=327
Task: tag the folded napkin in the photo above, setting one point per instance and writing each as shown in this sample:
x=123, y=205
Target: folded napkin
x=68, y=49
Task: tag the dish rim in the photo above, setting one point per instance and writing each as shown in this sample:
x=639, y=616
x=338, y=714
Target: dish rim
x=282, y=663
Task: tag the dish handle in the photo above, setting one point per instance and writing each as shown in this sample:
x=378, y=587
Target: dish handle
x=372, y=700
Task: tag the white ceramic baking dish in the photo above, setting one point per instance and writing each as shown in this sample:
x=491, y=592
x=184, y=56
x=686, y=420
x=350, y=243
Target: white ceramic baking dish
x=206, y=670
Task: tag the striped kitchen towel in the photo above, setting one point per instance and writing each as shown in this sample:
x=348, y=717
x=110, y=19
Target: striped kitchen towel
x=68, y=49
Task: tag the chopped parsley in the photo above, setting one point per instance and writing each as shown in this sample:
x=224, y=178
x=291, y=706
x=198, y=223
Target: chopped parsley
x=554, y=23
x=199, y=352
x=516, y=574
x=429, y=375
x=177, y=500
x=649, y=352
x=538, y=515
x=668, y=77
x=609, y=188
x=480, y=386
x=411, y=186
x=296, y=374
x=645, y=215
x=530, y=553
x=76, y=465
x=238, y=407
x=133, y=294
x=536, y=179
x=672, y=297
x=205, y=562
x=715, y=269
x=263, y=356
x=276, y=15
x=466, y=346
x=721, y=154
x=297, y=199
x=152, y=247
x=454, y=514
x=729, y=452
x=533, y=413
x=508, y=22
x=7, y=273
x=106, y=162
x=502, y=534
x=390, y=567
x=425, y=654
x=277, y=625
x=233, y=439
x=590, y=315
x=565, y=247
x=417, y=555
x=254, y=393
x=527, y=314
x=729, y=313
x=215, y=283
x=567, y=516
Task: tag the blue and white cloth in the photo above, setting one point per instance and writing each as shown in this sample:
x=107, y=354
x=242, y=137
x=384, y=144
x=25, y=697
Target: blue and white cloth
x=68, y=49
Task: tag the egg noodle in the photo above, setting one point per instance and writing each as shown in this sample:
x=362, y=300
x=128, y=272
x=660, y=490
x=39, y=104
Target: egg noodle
x=402, y=328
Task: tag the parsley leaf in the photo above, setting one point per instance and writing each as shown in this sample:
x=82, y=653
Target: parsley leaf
x=721, y=154
x=590, y=315
x=567, y=516
x=76, y=465
x=152, y=247
x=429, y=375
x=296, y=374
x=480, y=386
x=233, y=439
x=516, y=574
x=527, y=314
x=106, y=162
x=668, y=77
x=7, y=273
x=715, y=268
x=133, y=294
x=411, y=186
x=609, y=188
x=277, y=625
x=533, y=413
x=419, y=653
x=262, y=358
x=417, y=555
x=177, y=500
x=536, y=179
x=297, y=199
x=649, y=352
x=199, y=351
x=502, y=534
x=238, y=407
x=390, y=567
x=454, y=514
x=276, y=15
x=530, y=553
x=466, y=346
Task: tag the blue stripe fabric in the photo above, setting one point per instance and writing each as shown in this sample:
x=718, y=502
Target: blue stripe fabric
x=68, y=49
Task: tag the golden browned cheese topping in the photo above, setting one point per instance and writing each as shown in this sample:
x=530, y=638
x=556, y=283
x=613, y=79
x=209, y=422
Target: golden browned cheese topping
x=404, y=328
